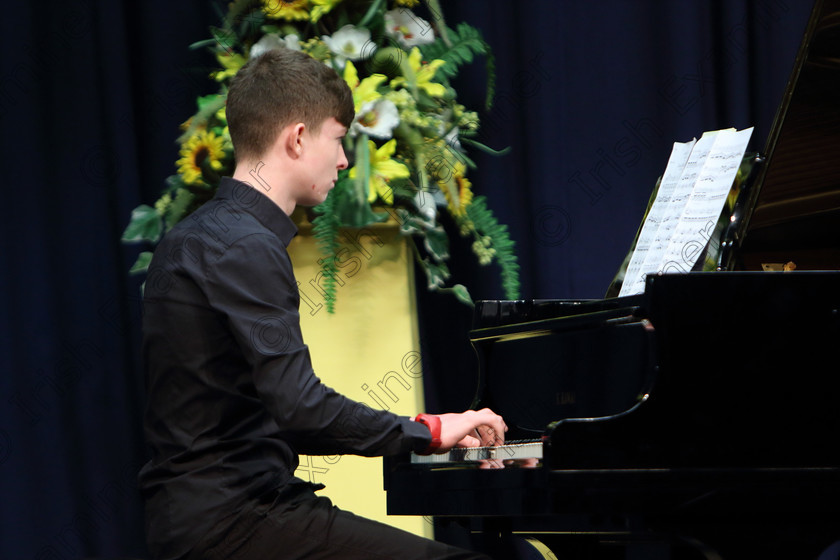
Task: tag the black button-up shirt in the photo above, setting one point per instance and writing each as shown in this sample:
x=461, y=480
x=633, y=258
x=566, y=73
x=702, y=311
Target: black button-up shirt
x=232, y=398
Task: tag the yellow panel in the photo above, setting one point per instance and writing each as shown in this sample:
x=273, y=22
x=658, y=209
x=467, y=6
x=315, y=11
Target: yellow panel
x=367, y=350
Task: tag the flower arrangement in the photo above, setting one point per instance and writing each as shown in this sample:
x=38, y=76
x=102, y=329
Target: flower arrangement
x=406, y=146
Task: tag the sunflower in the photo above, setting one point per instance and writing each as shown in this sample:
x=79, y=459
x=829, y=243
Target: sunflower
x=292, y=10
x=202, y=148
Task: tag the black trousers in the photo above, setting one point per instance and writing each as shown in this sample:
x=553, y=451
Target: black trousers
x=294, y=523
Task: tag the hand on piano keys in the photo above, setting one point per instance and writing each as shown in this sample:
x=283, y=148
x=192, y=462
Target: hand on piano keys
x=473, y=428
x=522, y=454
x=475, y=436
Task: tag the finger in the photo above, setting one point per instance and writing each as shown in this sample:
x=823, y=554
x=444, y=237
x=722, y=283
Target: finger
x=493, y=421
x=487, y=435
x=490, y=435
x=469, y=441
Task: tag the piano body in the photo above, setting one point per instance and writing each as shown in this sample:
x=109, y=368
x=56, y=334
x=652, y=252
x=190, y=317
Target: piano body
x=697, y=420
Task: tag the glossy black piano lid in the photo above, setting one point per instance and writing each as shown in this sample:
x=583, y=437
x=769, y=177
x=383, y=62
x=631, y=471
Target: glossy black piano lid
x=793, y=211
x=747, y=367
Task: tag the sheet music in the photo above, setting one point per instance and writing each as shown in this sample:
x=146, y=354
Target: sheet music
x=688, y=216
x=676, y=163
x=673, y=209
x=700, y=215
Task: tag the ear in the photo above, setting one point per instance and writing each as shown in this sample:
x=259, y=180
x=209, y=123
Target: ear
x=293, y=140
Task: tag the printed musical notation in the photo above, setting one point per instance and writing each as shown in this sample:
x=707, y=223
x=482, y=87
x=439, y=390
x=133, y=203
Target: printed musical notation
x=687, y=205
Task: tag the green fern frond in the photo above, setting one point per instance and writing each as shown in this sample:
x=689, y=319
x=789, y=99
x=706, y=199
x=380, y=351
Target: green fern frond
x=466, y=42
x=325, y=229
x=486, y=225
x=490, y=66
x=238, y=10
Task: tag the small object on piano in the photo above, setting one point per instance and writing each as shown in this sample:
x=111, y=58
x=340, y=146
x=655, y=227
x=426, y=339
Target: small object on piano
x=778, y=267
x=772, y=267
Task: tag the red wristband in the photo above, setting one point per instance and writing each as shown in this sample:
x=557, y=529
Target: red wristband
x=433, y=423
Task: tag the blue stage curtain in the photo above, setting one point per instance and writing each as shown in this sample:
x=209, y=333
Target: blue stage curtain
x=590, y=96
x=91, y=96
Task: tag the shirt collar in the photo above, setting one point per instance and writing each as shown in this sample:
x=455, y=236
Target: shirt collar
x=251, y=200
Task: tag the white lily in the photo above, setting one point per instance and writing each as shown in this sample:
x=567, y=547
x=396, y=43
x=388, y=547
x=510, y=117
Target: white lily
x=407, y=28
x=273, y=41
x=377, y=119
x=428, y=202
x=349, y=43
x=453, y=139
x=292, y=41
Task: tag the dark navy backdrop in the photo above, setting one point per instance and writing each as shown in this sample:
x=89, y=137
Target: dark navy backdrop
x=590, y=98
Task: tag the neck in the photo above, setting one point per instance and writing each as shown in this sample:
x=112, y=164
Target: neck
x=266, y=179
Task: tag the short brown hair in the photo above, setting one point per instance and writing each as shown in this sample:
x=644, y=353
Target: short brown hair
x=279, y=88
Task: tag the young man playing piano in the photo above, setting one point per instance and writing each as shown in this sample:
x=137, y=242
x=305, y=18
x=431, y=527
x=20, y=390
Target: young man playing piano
x=232, y=398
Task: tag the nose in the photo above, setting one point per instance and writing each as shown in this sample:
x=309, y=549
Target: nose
x=342, y=158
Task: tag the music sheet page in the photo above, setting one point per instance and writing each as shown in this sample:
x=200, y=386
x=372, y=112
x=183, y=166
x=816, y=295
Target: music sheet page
x=701, y=213
x=634, y=276
x=690, y=208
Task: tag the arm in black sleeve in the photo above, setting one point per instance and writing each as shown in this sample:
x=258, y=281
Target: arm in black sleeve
x=253, y=284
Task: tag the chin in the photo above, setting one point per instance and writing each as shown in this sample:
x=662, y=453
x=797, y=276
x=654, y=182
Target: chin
x=313, y=200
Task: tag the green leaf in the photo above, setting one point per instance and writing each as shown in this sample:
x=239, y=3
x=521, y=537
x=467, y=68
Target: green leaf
x=204, y=100
x=225, y=38
x=350, y=196
x=175, y=182
x=436, y=243
x=436, y=274
x=141, y=265
x=463, y=294
x=351, y=210
x=145, y=225
x=180, y=207
x=209, y=105
x=201, y=44
x=362, y=183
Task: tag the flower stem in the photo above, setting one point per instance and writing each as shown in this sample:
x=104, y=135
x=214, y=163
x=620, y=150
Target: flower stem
x=438, y=22
x=371, y=11
x=484, y=148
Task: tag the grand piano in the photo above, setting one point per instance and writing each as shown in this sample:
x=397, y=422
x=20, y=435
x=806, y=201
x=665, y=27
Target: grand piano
x=699, y=419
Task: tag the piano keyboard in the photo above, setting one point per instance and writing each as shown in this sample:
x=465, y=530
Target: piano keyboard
x=509, y=451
